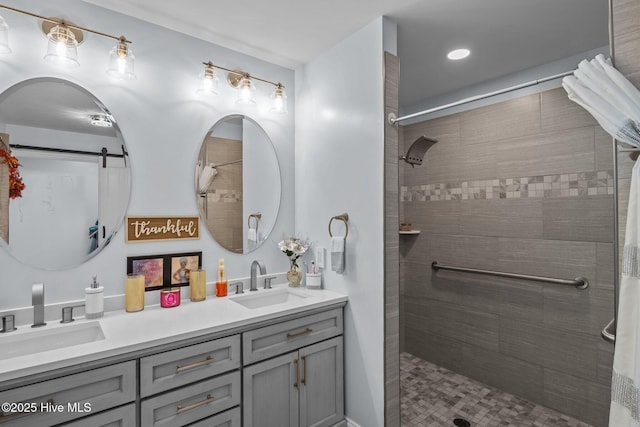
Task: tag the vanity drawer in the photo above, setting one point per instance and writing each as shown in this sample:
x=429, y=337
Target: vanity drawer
x=99, y=389
x=191, y=403
x=230, y=418
x=176, y=368
x=263, y=343
x=124, y=416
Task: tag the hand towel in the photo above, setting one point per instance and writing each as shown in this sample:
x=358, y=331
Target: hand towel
x=338, y=254
x=252, y=239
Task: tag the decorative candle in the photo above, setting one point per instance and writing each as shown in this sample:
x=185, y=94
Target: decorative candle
x=198, y=285
x=170, y=297
x=134, y=292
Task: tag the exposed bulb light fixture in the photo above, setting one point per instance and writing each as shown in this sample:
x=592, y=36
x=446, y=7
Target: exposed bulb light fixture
x=101, y=121
x=62, y=48
x=279, y=100
x=63, y=40
x=244, y=83
x=246, y=91
x=121, y=61
x=4, y=36
x=208, y=81
x=457, y=54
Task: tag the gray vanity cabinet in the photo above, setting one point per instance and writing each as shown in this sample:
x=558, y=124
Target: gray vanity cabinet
x=302, y=387
x=72, y=396
x=190, y=383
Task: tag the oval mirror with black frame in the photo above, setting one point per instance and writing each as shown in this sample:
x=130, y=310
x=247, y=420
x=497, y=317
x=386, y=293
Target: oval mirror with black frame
x=238, y=183
x=75, y=169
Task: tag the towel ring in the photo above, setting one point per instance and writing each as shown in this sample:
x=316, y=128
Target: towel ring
x=344, y=218
x=257, y=216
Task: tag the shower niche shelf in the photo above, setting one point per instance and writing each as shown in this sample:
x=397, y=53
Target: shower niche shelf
x=409, y=232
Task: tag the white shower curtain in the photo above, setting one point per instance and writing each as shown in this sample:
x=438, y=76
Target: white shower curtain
x=625, y=384
x=615, y=103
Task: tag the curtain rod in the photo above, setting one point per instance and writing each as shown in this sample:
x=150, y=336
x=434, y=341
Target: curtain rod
x=64, y=150
x=393, y=119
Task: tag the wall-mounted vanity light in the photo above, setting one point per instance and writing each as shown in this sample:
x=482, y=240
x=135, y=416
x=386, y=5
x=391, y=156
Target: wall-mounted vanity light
x=64, y=38
x=244, y=84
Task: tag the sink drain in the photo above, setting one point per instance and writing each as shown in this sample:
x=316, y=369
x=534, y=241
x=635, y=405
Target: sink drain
x=461, y=422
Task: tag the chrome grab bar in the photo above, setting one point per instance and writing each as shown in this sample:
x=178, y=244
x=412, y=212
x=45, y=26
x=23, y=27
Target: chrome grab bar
x=609, y=332
x=578, y=282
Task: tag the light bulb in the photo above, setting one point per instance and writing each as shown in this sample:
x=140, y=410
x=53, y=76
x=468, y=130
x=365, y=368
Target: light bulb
x=63, y=46
x=279, y=100
x=121, y=61
x=245, y=92
x=208, y=81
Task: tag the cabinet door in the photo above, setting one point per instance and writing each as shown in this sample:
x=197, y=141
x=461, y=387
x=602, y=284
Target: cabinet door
x=270, y=392
x=124, y=416
x=321, y=384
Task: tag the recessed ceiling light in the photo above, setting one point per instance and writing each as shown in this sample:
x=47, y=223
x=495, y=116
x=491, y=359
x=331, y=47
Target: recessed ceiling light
x=458, y=54
x=101, y=121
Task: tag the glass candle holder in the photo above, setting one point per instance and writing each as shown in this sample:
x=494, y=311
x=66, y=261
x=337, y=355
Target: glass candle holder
x=170, y=297
x=134, y=293
x=197, y=285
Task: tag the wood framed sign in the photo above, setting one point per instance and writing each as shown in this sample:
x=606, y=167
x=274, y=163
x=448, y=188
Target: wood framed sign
x=159, y=228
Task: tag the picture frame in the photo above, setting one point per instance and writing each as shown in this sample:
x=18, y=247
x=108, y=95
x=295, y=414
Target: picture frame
x=165, y=270
x=180, y=265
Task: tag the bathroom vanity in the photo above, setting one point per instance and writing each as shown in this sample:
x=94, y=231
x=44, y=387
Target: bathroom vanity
x=269, y=358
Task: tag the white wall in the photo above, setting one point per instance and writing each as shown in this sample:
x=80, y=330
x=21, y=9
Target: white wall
x=163, y=124
x=339, y=168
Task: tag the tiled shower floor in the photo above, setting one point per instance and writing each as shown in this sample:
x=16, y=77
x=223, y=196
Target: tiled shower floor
x=432, y=396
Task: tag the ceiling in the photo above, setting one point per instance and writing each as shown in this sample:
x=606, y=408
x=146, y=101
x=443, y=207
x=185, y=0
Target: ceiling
x=505, y=36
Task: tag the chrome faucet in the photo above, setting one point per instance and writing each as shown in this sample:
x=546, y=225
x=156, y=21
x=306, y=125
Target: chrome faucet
x=37, y=299
x=254, y=278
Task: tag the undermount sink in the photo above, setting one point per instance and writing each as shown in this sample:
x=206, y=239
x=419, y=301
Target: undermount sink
x=39, y=340
x=269, y=297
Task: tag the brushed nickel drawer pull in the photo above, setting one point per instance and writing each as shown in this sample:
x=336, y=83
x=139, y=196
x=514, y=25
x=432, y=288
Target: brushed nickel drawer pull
x=209, y=399
x=299, y=334
x=297, y=374
x=304, y=370
x=206, y=361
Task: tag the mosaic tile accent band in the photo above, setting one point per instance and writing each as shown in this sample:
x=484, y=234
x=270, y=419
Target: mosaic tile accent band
x=225, y=196
x=631, y=261
x=625, y=393
x=559, y=185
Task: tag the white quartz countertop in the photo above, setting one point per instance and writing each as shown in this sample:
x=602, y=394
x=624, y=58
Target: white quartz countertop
x=128, y=332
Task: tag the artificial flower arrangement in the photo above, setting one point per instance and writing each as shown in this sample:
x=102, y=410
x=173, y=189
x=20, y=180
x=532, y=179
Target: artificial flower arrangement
x=15, y=180
x=294, y=247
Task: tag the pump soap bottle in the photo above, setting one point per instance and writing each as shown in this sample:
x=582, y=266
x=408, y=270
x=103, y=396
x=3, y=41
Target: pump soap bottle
x=221, y=284
x=94, y=302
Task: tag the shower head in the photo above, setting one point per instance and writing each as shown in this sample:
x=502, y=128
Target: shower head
x=416, y=152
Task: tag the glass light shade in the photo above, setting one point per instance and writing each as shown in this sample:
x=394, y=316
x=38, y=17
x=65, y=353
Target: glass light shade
x=279, y=100
x=121, y=62
x=63, y=47
x=208, y=82
x=4, y=36
x=246, y=92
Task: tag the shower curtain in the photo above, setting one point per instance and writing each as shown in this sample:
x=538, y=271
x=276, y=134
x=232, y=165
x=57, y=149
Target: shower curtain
x=615, y=103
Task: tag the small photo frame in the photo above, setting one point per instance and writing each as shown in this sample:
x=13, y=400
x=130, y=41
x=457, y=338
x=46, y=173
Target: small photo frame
x=151, y=266
x=181, y=265
x=163, y=271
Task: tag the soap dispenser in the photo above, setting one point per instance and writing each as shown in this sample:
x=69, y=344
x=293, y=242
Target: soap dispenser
x=94, y=303
x=221, y=284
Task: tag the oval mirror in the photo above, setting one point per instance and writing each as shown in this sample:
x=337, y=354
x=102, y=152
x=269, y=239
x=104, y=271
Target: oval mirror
x=238, y=183
x=75, y=169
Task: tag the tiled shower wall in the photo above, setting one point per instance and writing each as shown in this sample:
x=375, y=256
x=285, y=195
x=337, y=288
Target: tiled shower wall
x=522, y=186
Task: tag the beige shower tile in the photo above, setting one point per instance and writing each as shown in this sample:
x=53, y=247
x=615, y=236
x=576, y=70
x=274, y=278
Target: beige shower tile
x=509, y=119
x=588, y=219
x=502, y=218
x=603, y=149
x=558, y=112
x=552, y=258
x=549, y=153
